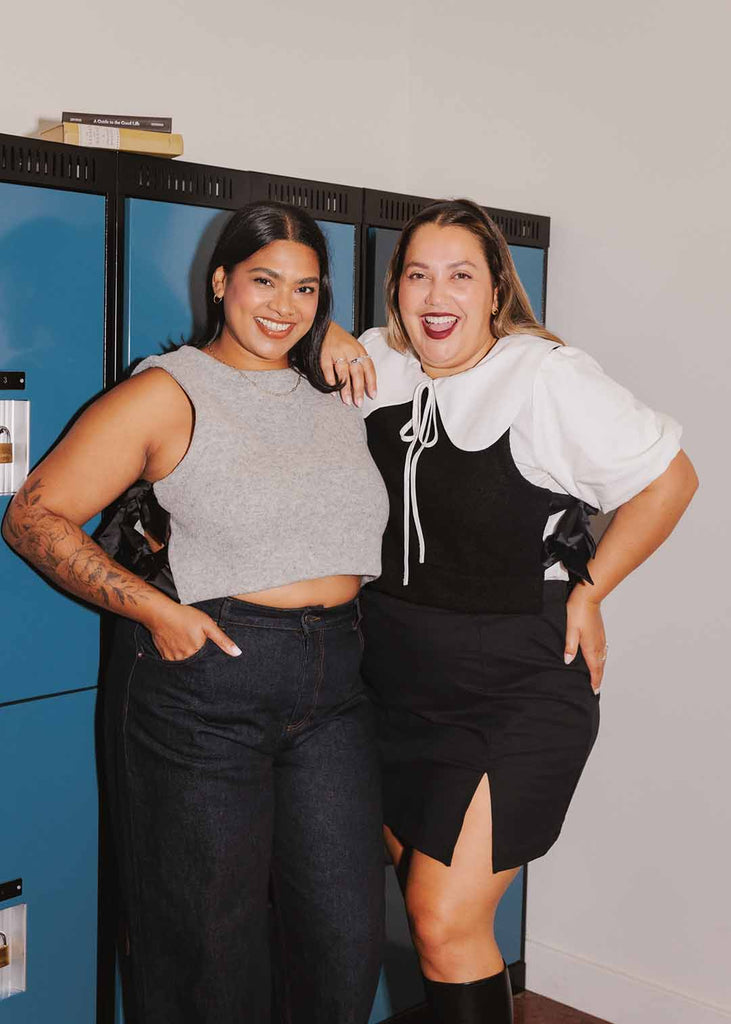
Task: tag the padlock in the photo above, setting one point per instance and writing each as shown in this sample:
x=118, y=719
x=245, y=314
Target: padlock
x=4, y=950
x=6, y=447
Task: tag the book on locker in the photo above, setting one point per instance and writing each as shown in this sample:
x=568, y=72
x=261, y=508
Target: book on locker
x=130, y=140
x=143, y=123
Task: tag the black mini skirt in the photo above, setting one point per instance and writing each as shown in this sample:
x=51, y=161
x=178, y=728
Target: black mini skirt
x=463, y=695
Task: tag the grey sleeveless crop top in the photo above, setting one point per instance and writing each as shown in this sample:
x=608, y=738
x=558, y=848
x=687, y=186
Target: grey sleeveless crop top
x=273, y=489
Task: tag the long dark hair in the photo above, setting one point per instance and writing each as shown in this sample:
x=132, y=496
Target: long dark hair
x=250, y=229
x=514, y=313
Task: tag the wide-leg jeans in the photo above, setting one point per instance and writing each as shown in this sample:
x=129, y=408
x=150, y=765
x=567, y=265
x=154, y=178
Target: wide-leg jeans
x=241, y=784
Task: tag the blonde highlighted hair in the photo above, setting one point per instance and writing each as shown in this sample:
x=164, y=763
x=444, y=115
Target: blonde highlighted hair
x=514, y=313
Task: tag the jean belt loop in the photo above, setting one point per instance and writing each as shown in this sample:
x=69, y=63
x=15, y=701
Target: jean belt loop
x=357, y=612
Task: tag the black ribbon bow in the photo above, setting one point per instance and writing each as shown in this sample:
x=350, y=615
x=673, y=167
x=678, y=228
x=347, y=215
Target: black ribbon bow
x=125, y=544
x=571, y=542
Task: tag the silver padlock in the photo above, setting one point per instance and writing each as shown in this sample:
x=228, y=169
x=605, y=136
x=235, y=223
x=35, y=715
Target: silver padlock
x=6, y=446
x=4, y=950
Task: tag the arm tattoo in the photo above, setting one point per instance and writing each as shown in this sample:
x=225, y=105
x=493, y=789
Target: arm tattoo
x=61, y=550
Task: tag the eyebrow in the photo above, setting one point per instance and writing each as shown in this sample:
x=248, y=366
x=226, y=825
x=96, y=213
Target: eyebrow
x=457, y=263
x=277, y=275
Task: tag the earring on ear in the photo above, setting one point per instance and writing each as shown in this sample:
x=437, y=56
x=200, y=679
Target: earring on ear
x=218, y=298
x=494, y=312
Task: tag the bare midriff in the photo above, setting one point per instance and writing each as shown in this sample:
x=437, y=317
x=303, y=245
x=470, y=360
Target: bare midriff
x=327, y=591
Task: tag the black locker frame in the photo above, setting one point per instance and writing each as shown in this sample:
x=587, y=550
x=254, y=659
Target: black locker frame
x=119, y=176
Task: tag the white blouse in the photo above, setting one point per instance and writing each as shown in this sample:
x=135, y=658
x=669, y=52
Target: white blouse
x=573, y=429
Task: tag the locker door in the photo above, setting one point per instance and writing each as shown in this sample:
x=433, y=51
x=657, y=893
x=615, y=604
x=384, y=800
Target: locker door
x=51, y=326
x=49, y=832
x=52, y=245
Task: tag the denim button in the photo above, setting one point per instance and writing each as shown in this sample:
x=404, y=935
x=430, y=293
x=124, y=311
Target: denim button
x=310, y=618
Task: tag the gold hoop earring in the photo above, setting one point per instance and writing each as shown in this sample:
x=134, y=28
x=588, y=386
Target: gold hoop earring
x=218, y=298
x=494, y=312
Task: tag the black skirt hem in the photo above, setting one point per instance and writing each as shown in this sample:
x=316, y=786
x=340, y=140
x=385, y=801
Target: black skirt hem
x=503, y=860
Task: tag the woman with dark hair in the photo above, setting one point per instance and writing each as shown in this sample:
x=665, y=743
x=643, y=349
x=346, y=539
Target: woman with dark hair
x=242, y=763
x=484, y=642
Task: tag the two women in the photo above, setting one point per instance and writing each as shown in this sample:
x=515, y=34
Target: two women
x=240, y=771
x=496, y=442
x=239, y=736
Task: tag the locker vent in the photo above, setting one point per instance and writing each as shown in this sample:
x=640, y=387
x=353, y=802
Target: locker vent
x=399, y=211
x=391, y=209
x=63, y=165
x=520, y=228
x=180, y=181
x=315, y=198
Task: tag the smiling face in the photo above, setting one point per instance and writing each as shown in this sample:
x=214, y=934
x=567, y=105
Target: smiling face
x=446, y=296
x=270, y=301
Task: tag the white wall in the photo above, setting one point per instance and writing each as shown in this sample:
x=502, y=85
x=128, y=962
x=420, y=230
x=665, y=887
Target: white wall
x=612, y=119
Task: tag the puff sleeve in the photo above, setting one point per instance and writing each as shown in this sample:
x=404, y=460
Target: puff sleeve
x=590, y=435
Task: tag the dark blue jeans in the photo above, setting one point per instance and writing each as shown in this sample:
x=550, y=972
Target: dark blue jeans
x=240, y=782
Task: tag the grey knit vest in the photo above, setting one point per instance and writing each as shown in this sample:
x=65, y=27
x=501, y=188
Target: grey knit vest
x=273, y=489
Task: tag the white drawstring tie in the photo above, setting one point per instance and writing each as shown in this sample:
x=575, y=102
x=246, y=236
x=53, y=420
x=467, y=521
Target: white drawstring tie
x=421, y=431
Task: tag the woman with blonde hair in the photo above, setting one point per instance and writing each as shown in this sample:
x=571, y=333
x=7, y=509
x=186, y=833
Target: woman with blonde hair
x=484, y=642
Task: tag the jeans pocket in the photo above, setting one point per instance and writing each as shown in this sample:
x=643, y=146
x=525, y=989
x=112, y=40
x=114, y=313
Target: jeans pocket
x=146, y=649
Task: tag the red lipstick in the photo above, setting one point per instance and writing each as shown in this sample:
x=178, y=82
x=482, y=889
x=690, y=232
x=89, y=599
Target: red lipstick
x=438, y=326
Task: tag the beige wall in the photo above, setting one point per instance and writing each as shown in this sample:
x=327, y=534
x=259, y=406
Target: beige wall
x=612, y=119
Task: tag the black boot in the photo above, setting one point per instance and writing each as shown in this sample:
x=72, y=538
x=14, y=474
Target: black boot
x=487, y=1001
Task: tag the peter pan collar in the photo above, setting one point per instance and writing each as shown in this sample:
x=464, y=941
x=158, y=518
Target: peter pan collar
x=476, y=406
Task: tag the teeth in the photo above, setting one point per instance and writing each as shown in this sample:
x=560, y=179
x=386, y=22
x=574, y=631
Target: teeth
x=441, y=321
x=272, y=325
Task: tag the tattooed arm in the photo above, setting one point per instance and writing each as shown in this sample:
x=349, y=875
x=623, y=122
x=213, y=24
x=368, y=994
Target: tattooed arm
x=141, y=428
x=62, y=551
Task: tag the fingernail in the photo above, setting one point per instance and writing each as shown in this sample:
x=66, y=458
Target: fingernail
x=359, y=402
x=346, y=399
x=236, y=651
x=568, y=657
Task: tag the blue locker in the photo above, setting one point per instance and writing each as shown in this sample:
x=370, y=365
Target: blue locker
x=51, y=326
x=52, y=251
x=50, y=841
x=530, y=264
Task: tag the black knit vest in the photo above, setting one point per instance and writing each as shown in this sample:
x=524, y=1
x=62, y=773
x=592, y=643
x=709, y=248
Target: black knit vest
x=483, y=523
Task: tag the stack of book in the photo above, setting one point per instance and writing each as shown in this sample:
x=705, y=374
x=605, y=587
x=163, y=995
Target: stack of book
x=150, y=135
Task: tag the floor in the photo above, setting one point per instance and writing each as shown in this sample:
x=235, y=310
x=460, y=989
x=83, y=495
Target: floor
x=533, y=1009
x=529, y=1009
